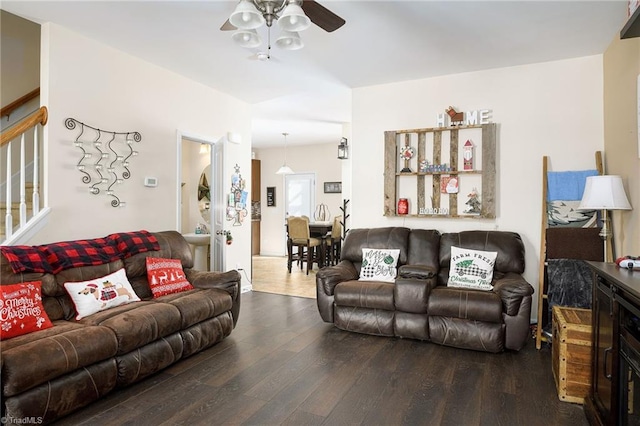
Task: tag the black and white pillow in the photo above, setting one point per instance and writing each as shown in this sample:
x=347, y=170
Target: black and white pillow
x=379, y=264
x=471, y=268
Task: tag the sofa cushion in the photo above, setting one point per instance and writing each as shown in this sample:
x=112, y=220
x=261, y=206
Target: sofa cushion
x=35, y=358
x=365, y=294
x=198, y=305
x=465, y=304
x=139, y=323
x=166, y=276
x=378, y=238
x=21, y=310
x=101, y=293
x=379, y=264
x=471, y=268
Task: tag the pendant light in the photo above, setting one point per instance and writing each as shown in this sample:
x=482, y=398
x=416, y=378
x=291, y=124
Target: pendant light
x=285, y=170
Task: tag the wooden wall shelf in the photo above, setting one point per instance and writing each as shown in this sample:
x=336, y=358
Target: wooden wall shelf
x=632, y=27
x=415, y=184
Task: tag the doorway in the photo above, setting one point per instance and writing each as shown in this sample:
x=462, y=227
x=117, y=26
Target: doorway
x=300, y=194
x=199, y=193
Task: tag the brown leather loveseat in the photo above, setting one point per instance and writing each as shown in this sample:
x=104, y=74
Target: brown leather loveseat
x=49, y=373
x=419, y=304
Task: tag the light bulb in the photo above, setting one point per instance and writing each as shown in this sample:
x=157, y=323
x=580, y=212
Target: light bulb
x=97, y=144
x=109, y=192
x=119, y=158
x=78, y=143
x=119, y=181
x=111, y=169
x=293, y=19
x=104, y=180
x=81, y=167
x=94, y=190
x=126, y=164
x=122, y=204
x=87, y=155
x=98, y=166
x=245, y=37
x=105, y=155
x=134, y=153
x=246, y=16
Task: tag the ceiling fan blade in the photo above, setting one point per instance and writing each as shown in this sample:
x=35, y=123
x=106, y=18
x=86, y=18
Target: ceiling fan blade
x=321, y=16
x=227, y=26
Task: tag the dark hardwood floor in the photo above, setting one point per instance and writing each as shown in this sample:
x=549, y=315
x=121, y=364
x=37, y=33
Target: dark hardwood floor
x=283, y=365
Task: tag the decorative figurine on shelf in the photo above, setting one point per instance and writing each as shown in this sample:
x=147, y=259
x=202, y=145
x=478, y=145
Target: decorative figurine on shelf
x=406, y=154
x=467, y=155
x=473, y=202
x=457, y=118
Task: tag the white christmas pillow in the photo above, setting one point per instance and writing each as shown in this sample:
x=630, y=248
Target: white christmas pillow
x=471, y=268
x=379, y=264
x=99, y=294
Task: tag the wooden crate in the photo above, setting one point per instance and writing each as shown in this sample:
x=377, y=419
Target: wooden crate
x=571, y=353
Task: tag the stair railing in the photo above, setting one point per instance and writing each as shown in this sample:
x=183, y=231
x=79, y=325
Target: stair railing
x=31, y=123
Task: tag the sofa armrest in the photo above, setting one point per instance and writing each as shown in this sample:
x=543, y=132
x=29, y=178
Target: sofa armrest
x=228, y=281
x=512, y=288
x=412, y=294
x=417, y=271
x=329, y=277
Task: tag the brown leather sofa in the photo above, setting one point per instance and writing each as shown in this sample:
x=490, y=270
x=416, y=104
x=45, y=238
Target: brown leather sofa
x=419, y=305
x=50, y=373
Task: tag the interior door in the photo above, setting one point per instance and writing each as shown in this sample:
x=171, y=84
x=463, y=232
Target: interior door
x=218, y=243
x=300, y=191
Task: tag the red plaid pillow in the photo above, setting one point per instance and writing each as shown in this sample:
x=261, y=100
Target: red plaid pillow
x=21, y=310
x=166, y=276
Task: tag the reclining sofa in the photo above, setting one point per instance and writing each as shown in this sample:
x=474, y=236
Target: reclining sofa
x=49, y=373
x=419, y=304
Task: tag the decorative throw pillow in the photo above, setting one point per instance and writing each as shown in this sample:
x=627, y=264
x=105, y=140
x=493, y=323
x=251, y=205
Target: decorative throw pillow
x=21, y=310
x=166, y=276
x=379, y=264
x=471, y=268
x=99, y=294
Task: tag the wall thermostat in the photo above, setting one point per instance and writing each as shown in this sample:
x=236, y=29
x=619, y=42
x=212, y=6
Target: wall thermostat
x=150, y=181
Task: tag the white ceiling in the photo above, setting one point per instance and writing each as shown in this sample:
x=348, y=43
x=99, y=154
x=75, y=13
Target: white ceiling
x=307, y=92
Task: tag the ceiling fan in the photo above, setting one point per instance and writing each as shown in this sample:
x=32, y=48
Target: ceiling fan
x=292, y=16
x=270, y=9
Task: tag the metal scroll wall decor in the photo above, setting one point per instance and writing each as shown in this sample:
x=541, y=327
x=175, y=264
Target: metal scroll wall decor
x=104, y=162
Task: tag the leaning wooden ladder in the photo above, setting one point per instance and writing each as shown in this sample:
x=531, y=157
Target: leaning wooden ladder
x=542, y=287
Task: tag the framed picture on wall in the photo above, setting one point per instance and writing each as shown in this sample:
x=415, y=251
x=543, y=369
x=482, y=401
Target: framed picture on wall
x=271, y=196
x=332, y=187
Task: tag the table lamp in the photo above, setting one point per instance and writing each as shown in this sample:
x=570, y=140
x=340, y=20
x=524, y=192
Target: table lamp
x=604, y=192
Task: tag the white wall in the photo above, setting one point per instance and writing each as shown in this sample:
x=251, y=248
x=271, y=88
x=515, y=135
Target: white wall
x=553, y=108
x=110, y=90
x=319, y=159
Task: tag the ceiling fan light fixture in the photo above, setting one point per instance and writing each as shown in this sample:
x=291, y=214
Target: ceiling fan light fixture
x=293, y=18
x=289, y=40
x=246, y=16
x=247, y=38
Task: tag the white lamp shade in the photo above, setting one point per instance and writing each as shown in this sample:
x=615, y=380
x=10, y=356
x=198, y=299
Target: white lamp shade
x=293, y=19
x=604, y=193
x=284, y=170
x=289, y=40
x=247, y=38
x=246, y=16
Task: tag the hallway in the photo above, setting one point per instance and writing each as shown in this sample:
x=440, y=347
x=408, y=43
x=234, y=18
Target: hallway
x=270, y=276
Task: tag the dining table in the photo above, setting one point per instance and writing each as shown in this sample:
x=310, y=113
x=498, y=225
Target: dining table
x=320, y=229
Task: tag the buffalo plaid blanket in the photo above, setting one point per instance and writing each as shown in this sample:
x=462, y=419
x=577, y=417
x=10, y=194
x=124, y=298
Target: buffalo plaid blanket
x=56, y=257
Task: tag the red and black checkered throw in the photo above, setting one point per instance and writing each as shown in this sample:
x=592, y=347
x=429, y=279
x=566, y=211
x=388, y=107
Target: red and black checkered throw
x=56, y=257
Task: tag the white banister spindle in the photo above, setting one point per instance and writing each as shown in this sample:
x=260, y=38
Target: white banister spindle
x=23, y=184
x=8, y=222
x=35, y=197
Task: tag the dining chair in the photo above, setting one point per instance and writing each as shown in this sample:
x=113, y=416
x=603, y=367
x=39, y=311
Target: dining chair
x=333, y=242
x=299, y=236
